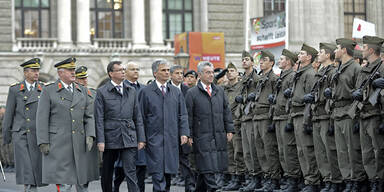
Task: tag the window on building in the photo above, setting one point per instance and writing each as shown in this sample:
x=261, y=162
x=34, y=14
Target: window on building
x=32, y=18
x=273, y=6
x=107, y=19
x=177, y=17
x=352, y=9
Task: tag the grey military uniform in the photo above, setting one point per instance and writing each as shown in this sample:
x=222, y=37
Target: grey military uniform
x=347, y=143
x=304, y=141
x=19, y=125
x=267, y=150
x=236, y=163
x=64, y=120
x=372, y=143
x=247, y=136
x=324, y=142
x=286, y=140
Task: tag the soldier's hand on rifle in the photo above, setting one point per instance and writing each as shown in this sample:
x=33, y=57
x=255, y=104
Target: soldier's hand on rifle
x=251, y=97
x=271, y=128
x=378, y=83
x=309, y=98
x=288, y=127
x=44, y=148
x=328, y=93
x=308, y=129
x=272, y=99
x=380, y=129
x=356, y=127
x=239, y=99
x=287, y=93
x=89, y=142
x=331, y=130
x=357, y=95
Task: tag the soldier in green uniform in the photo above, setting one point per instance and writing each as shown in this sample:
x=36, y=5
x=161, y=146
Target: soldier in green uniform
x=19, y=126
x=66, y=131
x=382, y=52
x=323, y=130
x=371, y=121
x=283, y=124
x=346, y=130
x=236, y=165
x=248, y=86
x=305, y=78
x=267, y=150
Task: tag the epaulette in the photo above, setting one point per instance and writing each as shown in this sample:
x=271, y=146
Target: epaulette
x=13, y=84
x=89, y=92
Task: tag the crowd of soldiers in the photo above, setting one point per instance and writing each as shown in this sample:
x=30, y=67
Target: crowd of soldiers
x=317, y=126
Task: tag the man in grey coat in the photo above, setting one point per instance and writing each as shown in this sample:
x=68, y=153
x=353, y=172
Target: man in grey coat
x=119, y=127
x=165, y=121
x=211, y=125
x=19, y=125
x=66, y=131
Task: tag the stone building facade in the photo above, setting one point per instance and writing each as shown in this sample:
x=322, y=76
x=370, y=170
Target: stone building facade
x=98, y=31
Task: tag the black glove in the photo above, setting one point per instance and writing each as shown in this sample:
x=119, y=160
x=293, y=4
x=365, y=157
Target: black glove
x=328, y=93
x=331, y=130
x=251, y=97
x=357, y=95
x=221, y=74
x=380, y=129
x=287, y=93
x=309, y=98
x=271, y=99
x=239, y=99
x=288, y=127
x=271, y=128
x=356, y=128
x=378, y=83
x=308, y=129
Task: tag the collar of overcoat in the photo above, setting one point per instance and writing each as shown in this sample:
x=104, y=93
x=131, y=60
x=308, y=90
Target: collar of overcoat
x=213, y=86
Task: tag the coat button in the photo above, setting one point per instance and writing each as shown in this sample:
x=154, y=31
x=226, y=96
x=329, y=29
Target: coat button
x=71, y=109
x=28, y=130
x=73, y=120
x=27, y=108
x=38, y=97
x=73, y=132
x=28, y=119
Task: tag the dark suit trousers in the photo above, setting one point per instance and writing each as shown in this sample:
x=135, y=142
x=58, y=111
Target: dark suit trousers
x=119, y=177
x=161, y=182
x=186, y=171
x=206, y=182
x=128, y=157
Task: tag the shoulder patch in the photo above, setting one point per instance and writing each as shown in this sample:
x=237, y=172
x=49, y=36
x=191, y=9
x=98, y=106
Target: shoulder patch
x=13, y=84
x=89, y=92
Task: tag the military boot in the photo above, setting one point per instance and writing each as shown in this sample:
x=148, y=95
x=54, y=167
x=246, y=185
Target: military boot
x=269, y=186
x=335, y=187
x=310, y=188
x=291, y=186
x=348, y=186
x=374, y=186
x=253, y=184
x=235, y=185
x=326, y=187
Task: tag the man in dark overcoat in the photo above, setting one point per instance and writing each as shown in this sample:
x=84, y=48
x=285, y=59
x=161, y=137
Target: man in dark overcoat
x=211, y=125
x=166, y=123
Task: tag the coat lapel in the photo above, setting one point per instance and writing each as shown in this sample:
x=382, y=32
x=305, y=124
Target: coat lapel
x=156, y=89
x=76, y=95
x=35, y=94
x=64, y=94
x=126, y=93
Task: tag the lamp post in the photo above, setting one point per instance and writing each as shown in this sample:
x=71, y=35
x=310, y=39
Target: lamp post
x=182, y=59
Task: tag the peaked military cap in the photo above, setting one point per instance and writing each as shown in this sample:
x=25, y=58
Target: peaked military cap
x=231, y=65
x=217, y=70
x=67, y=64
x=190, y=72
x=310, y=50
x=348, y=43
x=374, y=40
x=81, y=72
x=357, y=54
x=245, y=54
x=328, y=46
x=290, y=55
x=32, y=63
x=267, y=54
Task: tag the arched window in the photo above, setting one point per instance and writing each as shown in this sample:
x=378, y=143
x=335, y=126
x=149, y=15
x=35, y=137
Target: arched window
x=273, y=6
x=352, y=9
x=177, y=17
x=32, y=18
x=107, y=20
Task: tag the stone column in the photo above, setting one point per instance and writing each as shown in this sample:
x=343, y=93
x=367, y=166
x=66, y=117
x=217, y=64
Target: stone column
x=138, y=24
x=64, y=23
x=156, y=23
x=204, y=15
x=83, y=23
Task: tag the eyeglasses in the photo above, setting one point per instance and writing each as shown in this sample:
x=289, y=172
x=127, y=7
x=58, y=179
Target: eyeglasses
x=120, y=70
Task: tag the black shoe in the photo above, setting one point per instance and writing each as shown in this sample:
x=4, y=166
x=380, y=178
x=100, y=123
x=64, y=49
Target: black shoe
x=327, y=187
x=310, y=188
x=181, y=182
x=269, y=186
x=236, y=184
x=148, y=179
x=335, y=187
x=291, y=186
x=254, y=184
x=348, y=186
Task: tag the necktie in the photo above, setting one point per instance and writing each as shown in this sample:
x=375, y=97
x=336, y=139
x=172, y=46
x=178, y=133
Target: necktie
x=208, y=91
x=134, y=85
x=69, y=88
x=31, y=88
x=118, y=87
x=163, y=89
